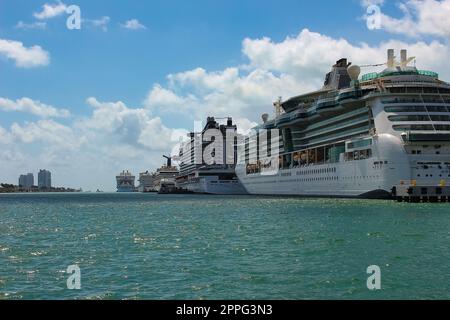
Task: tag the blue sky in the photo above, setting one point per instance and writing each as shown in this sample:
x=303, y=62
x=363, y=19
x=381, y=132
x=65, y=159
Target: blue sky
x=188, y=60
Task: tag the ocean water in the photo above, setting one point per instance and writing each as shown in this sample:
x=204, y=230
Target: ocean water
x=147, y=246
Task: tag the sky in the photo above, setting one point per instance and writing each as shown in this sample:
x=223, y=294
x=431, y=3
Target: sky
x=119, y=92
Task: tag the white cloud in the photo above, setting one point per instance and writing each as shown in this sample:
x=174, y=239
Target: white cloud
x=133, y=24
x=310, y=55
x=101, y=23
x=34, y=107
x=5, y=137
x=34, y=25
x=46, y=131
x=367, y=3
x=420, y=18
x=196, y=94
x=89, y=151
x=24, y=57
x=50, y=10
x=131, y=126
x=164, y=100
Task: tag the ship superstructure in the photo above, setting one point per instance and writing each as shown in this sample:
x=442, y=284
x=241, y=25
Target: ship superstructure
x=146, y=181
x=165, y=176
x=383, y=134
x=197, y=175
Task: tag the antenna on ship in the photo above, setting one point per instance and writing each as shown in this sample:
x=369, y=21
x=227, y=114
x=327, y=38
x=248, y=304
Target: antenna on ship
x=278, y=108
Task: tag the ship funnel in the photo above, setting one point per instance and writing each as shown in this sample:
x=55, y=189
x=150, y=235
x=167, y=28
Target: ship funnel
x=169, y=161
x=404, y=57
x=391, y=58
x=265, y=117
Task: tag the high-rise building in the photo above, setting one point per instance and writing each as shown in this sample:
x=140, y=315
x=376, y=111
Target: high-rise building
x=44, y=179
x=26, y=181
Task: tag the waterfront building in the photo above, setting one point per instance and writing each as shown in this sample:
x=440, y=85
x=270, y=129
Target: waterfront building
x=44, y=179
x=26, y=180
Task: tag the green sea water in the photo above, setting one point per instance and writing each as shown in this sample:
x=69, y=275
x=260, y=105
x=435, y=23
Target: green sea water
x=147, y=246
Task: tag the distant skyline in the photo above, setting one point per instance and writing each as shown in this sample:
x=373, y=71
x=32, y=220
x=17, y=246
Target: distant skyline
x=87, y=104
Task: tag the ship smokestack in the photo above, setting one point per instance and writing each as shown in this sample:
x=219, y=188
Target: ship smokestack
x=404, y=57
x=169, y=161
x=391, y=58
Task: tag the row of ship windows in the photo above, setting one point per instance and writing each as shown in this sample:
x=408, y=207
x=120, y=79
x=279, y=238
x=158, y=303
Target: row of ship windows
x=422, y=127
x=316, y=171
x=441, y=118
x=420, y=152
x=417, y=109
x=431, y=176
x=360, y=177
x=319, y=179
x=310, y=172
x=334, y=178
x=416, y=100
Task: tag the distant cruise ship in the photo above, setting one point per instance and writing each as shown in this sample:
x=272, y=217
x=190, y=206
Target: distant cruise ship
x=125, y=182
x=164, y=178
x=385, y=134
x=200, y=177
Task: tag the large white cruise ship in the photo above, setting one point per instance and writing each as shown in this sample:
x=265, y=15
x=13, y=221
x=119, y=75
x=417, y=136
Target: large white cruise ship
x=376, y=136
x=200, y=177
x=125, y=182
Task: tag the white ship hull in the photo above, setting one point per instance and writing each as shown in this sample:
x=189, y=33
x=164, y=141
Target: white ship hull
x=212, y=185
x=390, y=167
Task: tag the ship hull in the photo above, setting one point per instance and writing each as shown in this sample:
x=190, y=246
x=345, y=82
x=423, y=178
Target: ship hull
x=213, y=185
x=123, y=189
x=373, y=178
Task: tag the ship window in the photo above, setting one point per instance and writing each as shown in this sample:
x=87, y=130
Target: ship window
x=415, y=108
x=359, y=144
x=420, y=118
x=424, y=127
x=358, y=155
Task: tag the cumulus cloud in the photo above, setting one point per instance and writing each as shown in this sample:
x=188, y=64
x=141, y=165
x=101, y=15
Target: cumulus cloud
x=131, y=126
x=49, y=132
x=366, y=3
x=309, y=55
x=90, y=150
x=34, y=107
x=231, y=92
x=50, y=10
x=420, y=18
x=101, y=23
x=5, y=137
x=133, y=24
x=28, y=26
x=24, y=57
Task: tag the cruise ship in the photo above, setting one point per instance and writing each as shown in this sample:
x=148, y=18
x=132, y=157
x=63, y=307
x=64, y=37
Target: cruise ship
x=382, y=135
x=146, y=181
x=125, y=182
x=164, y=178
x=200, y=177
